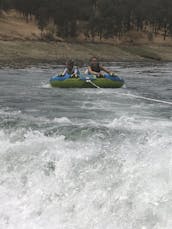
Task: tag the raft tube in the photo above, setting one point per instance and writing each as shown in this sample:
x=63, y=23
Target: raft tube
x=86, y=81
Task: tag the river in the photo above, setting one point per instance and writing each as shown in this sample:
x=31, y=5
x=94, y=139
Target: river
x=86, y=158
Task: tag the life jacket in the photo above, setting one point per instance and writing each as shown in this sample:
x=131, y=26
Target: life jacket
x=95, y=68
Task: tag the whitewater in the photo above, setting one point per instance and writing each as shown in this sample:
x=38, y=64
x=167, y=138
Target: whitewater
x=86, y=158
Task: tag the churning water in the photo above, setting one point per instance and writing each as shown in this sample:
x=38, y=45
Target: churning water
x=86, y=158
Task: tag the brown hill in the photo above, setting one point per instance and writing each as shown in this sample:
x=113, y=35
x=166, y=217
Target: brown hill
x=13, y=26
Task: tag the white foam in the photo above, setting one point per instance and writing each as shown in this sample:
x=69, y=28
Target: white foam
x=62, y=120
x=139, y=123
x=45, y=85
x=50, y=182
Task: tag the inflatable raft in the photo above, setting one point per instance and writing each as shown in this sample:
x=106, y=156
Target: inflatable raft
x=86, y=81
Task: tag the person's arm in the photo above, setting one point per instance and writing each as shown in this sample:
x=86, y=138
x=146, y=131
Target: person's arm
x=64, y=72
x=76, y=71
x=105, y=70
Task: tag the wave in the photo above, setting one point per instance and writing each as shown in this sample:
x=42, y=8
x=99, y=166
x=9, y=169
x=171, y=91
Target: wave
x=52, y=181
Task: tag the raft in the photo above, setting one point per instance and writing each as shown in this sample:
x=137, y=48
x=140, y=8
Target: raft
x=86, y=81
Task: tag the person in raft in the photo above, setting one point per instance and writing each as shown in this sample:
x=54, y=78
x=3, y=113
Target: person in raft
x=95, y=68
x=71, y=69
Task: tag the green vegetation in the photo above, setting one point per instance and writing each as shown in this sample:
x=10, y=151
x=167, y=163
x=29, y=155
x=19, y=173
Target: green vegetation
x=145, y=52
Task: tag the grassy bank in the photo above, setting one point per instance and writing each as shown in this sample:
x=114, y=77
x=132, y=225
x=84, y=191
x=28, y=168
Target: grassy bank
x=23, y=53
x=31, y=52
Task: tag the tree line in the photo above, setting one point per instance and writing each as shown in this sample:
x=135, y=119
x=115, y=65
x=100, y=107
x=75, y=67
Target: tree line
x=103, y=18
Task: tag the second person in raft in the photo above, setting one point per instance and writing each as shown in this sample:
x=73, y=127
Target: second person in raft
x=71, y=69
x=95, y=68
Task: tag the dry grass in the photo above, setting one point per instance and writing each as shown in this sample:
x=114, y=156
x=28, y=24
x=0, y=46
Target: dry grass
x=143, y=51
x=33, y=52
x=15, y=27
x=30, y=52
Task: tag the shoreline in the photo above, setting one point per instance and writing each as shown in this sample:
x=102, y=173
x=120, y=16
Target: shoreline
x=32, y=53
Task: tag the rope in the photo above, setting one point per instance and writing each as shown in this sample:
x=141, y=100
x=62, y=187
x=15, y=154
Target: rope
x=135, y=96
x=145, y=98
x=89, y=81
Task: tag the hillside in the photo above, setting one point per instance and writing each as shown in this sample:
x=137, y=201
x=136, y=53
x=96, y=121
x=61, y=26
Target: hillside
x=14, y=27
x=21, y=44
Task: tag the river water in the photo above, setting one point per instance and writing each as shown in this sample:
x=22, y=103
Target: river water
x=86, y=158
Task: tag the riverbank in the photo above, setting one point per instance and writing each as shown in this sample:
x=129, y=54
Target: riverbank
x=24, y=53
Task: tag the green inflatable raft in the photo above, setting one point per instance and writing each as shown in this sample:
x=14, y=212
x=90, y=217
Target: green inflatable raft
x=86, y=81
